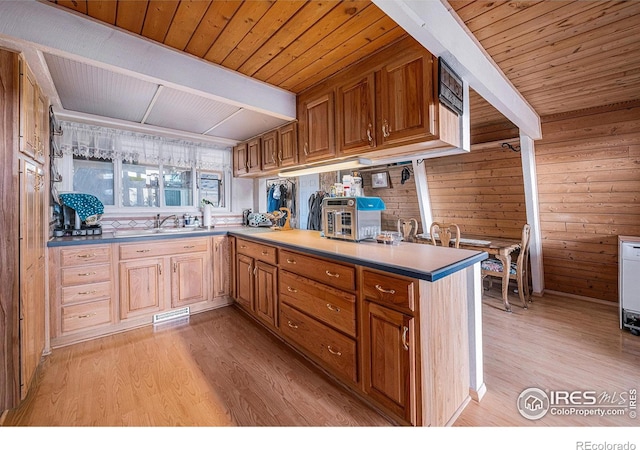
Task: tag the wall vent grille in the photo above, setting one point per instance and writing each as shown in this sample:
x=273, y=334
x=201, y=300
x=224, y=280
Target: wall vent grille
x=171, y=315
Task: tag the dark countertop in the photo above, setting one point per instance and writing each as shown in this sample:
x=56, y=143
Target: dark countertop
x=420, y=261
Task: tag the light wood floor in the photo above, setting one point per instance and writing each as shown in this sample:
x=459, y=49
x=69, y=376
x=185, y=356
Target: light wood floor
x=221, y=369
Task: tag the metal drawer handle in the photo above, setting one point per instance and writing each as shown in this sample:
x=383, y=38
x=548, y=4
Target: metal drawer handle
x=88, y=255
x=265, y=252
x=143, y=251
x=385, y=291
x=335, y=275
x=243, y=246
x=188, y=246
x=291, y=261
x=292, y=325
x=405, y=335
x=333, y=352
x=333, y=308
x=84, y=316
x=290, y=289
x=88, y=274
x=87, y=292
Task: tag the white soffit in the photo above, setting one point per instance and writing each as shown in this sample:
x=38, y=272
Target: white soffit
x=434, y=24
x=49, y=29
x=183, y=111
x=93, y=90
x=245, y=124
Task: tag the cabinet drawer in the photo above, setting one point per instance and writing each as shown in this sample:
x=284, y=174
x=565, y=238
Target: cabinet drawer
x=151, y=249
x=86, y=315
x=332, y=306
x=336, y=350
x=86, y=274
x=85, y=254
x=387, y=289
x=261, y=252
x=84, y=292
x=331, y=273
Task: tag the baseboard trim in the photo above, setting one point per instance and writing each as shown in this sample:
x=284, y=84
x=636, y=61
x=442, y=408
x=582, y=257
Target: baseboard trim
x=582, y=297
x=477, y=394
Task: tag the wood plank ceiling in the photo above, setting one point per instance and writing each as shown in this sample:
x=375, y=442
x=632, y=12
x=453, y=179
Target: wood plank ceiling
x=561, y=55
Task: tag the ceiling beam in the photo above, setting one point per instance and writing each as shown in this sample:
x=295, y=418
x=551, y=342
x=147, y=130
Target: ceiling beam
x=436, y=26
x=50, y=29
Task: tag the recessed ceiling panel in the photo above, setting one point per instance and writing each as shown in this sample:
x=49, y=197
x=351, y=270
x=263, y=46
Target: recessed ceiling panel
x=187, y=112
x=246, y=124
x=93, y=90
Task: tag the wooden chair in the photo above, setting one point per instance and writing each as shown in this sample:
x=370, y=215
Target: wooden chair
x=445, y=232
x=518, y=270
x=408, y=228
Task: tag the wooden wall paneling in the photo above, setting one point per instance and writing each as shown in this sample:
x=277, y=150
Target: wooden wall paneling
x=482, y=191
x=589, y=180
x=184, y=23
x=288, y=33
x=158, y=19
x=276, y=68
x=401, y=200
x=279, y=14
x=211, y=26
x=131, y=15
x=363, y=27
x=105, y=11
x=9, y=362
x=246, y=18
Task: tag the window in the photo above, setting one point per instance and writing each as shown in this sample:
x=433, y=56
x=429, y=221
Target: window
x=210, y=188
x=133, y=172
x=140, y=185
x=177, y=186
x=94, y=176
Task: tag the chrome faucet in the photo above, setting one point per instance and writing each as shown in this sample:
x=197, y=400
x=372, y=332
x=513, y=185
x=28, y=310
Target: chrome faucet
x=158, y=223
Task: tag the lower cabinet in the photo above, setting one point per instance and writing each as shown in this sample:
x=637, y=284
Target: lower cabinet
x=389, y=343
x=266, y=292
x=221, y=266
x=257, y=280
x=102, y=289
x=388, y=350
x=141, y=287
x=359, y=325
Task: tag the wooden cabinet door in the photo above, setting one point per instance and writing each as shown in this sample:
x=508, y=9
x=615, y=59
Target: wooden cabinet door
x=318, y=141
x=270, y=150
x=141, y=287
x=288, y=145
x=406, y=100
x=42, y=128
x=221, y=266
x=190, y=276
x=254, y=156
x=266, y=293
x=356, y=116
x=389, y=364
x=28, y=93
x=240, y=160
x=244, y=281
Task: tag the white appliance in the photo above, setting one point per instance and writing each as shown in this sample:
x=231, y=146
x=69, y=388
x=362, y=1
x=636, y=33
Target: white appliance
x=629, y=283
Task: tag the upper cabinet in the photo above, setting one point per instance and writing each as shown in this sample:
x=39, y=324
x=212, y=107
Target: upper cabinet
x=355, y=113
x=267, y=153
x=406, y=100
x=317, y=119
x=32, y=116
x=383, y=106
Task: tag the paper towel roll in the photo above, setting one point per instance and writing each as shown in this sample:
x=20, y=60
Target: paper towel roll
x=206, y=215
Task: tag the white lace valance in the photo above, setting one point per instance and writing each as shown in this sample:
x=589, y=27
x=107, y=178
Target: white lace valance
x=94, y=141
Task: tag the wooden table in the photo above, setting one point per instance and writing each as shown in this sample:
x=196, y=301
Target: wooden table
x=500, y=248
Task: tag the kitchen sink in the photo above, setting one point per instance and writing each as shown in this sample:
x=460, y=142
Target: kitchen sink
x=152, y=231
